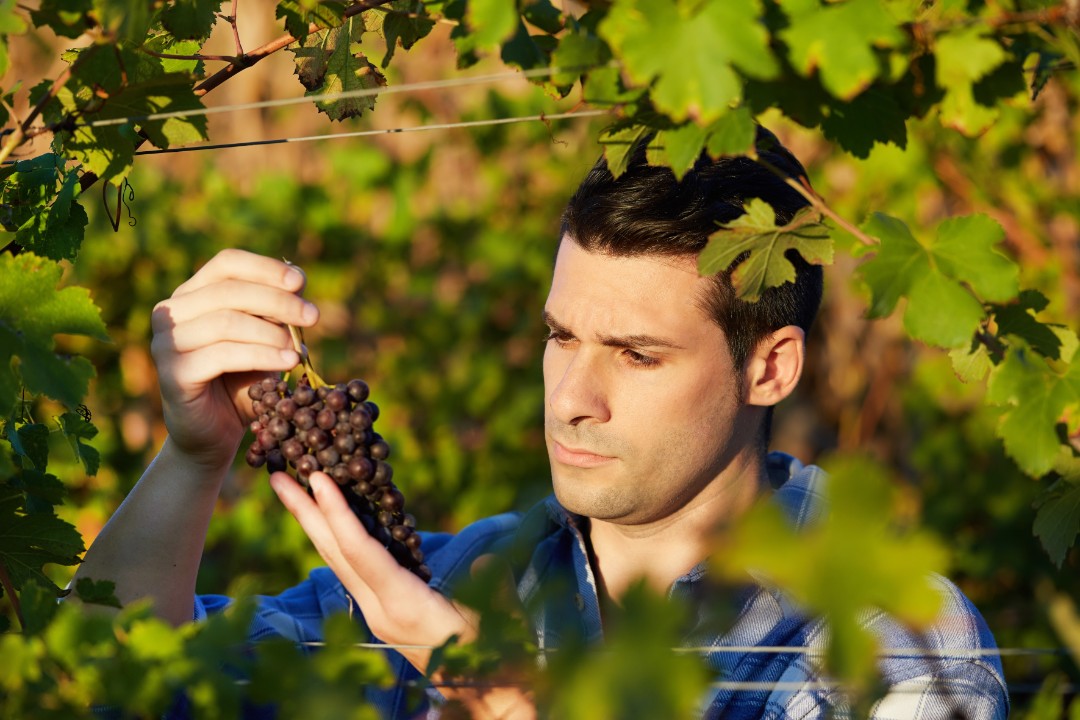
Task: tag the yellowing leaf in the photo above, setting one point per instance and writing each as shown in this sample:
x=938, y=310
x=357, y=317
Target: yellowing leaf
x=839, y=41
x=330, y=61
x=691, y=50
x=765, y=245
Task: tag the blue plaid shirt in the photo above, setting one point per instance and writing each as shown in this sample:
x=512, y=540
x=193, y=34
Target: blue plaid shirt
x=926, y=685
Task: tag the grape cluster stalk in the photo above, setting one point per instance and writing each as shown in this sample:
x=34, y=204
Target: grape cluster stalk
x=329, y=428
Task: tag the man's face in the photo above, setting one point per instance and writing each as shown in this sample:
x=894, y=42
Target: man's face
x=642, y=409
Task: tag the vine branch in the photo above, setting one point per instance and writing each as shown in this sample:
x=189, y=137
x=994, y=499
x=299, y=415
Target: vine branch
x=802, y=186
x=235, y=31
x=16, y=138
x=9, y=588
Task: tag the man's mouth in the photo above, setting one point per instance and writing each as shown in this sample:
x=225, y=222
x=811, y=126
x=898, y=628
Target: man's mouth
x=577, y=457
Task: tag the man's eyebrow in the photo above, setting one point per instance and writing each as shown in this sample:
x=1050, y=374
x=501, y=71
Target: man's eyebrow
x=637, y=340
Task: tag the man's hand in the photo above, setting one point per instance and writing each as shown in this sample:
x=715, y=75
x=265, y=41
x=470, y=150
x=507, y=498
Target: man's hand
x=398, y=607
x=219, y=332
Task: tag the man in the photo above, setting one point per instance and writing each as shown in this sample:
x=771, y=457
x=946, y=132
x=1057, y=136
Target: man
x=659, y=386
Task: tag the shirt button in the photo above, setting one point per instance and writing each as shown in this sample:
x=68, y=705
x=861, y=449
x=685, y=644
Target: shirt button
x=579, y=601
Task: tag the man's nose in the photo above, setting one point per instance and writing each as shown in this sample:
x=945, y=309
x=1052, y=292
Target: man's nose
x=580, y=391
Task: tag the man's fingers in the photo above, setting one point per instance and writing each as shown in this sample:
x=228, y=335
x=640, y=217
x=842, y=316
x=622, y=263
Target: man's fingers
x=249, y=297
x=242, y=265
x=201, y=366
x=364, y=553
x=223, y=326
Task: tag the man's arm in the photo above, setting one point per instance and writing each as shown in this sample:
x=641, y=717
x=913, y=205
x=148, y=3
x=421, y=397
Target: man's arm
x=217, y=334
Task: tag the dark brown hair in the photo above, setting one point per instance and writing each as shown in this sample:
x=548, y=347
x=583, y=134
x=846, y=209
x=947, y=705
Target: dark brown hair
x=647, y=211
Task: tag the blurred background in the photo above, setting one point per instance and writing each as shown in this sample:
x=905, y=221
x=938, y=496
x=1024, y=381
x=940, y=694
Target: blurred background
x=430, y=254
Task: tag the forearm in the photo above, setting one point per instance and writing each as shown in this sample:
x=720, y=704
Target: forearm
x=152, y=545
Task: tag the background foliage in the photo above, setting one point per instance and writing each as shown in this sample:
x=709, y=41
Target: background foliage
x=429, y=257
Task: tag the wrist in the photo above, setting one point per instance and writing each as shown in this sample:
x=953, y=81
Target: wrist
x=205, y=467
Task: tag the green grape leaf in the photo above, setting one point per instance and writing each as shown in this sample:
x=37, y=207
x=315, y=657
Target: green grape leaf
x=840, y=40
x=760, y=246
x=66, y=18
x=972, y=363
x=11, y=22
x=732, y=134
x=528, y=51
x=964, y=57
x=41, y=491
x=842, y=566
x=27, y=542
x=691, y=50
x=491, y=22
x=405, y=24
x=190, y=19
x=619, y=143
x=1037, y=395
x=578, y=53
x=935, y=276
x=1057, y=518
x=97, y=592
x=1018, y=319
x=39, y=606
x=58, y=233
x=330, y=61
x=871, y=117
x=542, y=14
x=31, y=443
x=76, y=430
x=166, y=44
x=300, y=14
x=32, y=311
x=682, y=146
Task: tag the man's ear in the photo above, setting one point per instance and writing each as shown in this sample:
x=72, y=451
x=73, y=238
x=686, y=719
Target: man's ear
x=775, y=366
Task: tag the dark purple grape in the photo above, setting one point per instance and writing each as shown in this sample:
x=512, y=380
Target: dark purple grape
x=344, y=444
x=412, y=542
x=306, y=465
x=418, y=555
x=280, y=428
x=304, y=395
x=423, y=572
x=255, y=391
x=343, y=417
x=409, y=521
x=322, y=392
x=286, y=408
x=268, y=384
x=304, y=419
x=326, y=419
x=400, y=532
x=255, y=426
x=392, y=500
x=275, y=461
x=340, y=475
x=292, y=449
x=385, y=518
x=383, y=473
x=254, y=456
x=372, y=409
x=317, y=438
x=379, y=450
x=364, y=488
x=266, y=439
x=336, y=400
x=281, y=387
x=257, y=407
x=360, y=419
x=328, y=457
x=358, y=390
x=360, y=468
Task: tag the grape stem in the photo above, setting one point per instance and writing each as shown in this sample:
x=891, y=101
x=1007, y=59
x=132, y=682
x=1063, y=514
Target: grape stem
x=314, y=380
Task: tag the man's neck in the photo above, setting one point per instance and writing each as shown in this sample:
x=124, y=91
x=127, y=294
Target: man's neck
x=666, y=549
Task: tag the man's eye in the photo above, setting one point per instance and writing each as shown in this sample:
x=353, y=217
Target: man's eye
x=558, y=338
x=639, y=360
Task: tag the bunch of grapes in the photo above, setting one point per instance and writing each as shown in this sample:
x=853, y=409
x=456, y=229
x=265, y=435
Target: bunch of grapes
x=330, y=429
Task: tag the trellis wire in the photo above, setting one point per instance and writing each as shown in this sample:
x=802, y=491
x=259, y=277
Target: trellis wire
x=385, y=131
x=330, y=97
x=781, y=649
